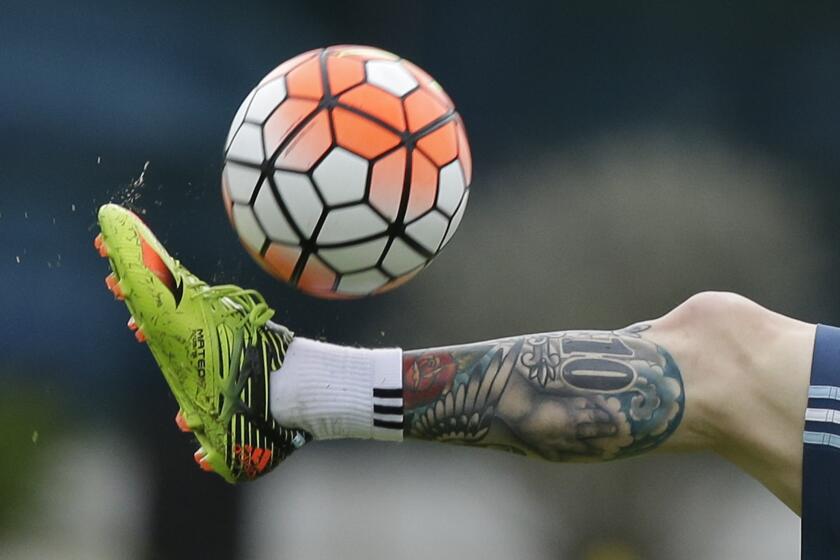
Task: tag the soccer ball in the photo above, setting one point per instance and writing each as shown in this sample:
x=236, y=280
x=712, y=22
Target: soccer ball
x=346, y=171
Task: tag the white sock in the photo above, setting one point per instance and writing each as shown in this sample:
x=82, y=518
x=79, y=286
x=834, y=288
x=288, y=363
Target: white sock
x=339, y=392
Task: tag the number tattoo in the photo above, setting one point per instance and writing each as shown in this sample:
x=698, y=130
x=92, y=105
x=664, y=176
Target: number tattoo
x=564, y=396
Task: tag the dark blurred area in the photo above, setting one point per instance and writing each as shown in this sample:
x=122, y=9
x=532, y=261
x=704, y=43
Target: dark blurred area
x=626, y=157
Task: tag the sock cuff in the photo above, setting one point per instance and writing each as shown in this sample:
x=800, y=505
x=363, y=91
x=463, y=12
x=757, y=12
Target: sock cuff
x=387, y=394
x=339, y=392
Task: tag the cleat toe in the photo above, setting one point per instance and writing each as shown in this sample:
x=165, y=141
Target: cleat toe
x=132, y=324
x=140, y=335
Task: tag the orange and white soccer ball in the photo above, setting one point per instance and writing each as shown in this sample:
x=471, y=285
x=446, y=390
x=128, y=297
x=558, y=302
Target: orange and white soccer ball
x=347, y=169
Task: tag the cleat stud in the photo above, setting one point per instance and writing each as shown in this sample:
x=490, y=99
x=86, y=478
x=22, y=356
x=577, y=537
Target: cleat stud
x=99, y=243
x=140, y=335
x=200, y=457
x=132, y=324
x=181, y=422
x=114, y=285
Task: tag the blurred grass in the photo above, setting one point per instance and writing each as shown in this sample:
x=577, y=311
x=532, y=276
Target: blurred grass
x=611, y=550
x=29, y=427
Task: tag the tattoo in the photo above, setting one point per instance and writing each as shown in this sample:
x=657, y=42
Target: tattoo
x=577, y=395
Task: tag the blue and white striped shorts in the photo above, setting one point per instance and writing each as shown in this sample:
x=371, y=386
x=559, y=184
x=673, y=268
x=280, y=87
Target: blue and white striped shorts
x=821, y=454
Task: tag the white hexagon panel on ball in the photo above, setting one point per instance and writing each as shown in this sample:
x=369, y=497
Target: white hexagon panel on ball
x=273, y=221
x=391, y=76
x=300, y=199
x=341, y=177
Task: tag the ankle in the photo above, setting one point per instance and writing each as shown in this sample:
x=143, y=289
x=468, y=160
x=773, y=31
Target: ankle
x=336, y=391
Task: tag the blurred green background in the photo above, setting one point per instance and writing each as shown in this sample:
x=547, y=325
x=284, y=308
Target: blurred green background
x=626, y=157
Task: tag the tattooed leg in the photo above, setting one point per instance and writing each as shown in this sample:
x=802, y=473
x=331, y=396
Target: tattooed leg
x=718, y=372
x=564, y=396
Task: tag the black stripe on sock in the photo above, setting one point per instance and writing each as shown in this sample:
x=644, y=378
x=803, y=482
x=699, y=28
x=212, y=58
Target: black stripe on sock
x=386, y=424
x=387, y=393
x=383, y=409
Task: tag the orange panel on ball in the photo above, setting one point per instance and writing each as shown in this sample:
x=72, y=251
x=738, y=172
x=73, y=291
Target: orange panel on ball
x=344, y=73
x=422, y=77
x=308, y=145
x=376, y=102
x=441, y=145
x=280, y=260
x=421, y=108
x=316, y=277
x=386, y=183
x=305, y=80
x=423, y=186
x=397, y=282
x=362, y=52
x=464, y=153
x=283, y=120
x=361, y=135
x=226, y=197
x=428, y=83
x=290, y=64
x=257, y=257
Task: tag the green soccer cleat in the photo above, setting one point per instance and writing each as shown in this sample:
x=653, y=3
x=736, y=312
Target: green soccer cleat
x=214, y=344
